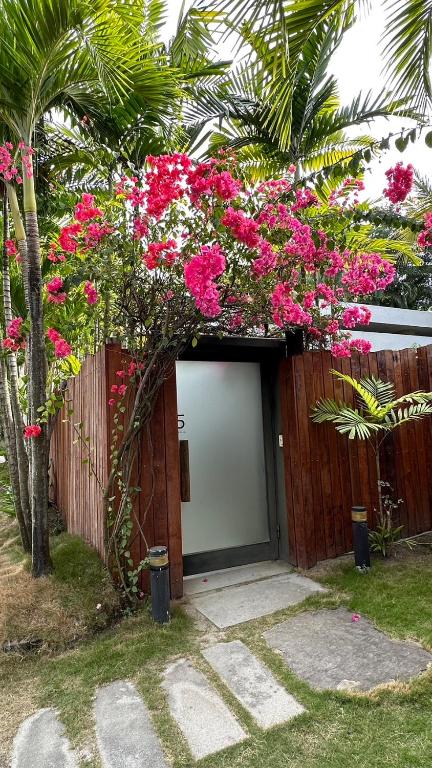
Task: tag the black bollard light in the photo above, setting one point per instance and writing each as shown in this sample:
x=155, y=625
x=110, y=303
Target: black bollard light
x=160, y=586
x=360, y=537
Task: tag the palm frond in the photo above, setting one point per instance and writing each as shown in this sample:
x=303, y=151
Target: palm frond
x=348, y=421
x=369, y=400
x=408, y=49
x=382, y=391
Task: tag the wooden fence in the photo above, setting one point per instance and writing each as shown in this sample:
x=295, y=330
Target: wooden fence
x=78, y=492
x=325, y=473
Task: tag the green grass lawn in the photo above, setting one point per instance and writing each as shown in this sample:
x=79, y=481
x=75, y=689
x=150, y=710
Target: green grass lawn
x=391, y=727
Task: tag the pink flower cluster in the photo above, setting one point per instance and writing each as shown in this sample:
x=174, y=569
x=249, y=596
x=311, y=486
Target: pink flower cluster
x=7, y=168
x=399, y=182
x=121, y=389
x=15, y=339
x=242, y=227
x=345, y=347
x=274, y=188
x=367, y=273
x=304, y=198
x=54, y=255
x=204, y=179
x=26, y=157
x=61, y=347
x=91, y=293
x=32, y=430
x=160, y=253
x=356, y=315
x=56, y=295
x=11, y=250
x=425, y=236
x=86, y=209
x=165, y=181
x=200, y=274
x=286, y=311
x=68, y=237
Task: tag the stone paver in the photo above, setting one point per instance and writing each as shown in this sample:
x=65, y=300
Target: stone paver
x=252, y=683
x=202, y=716
x=125, y=734
x=41, y=743
x=228, y=577
x=329, y=650
x=234, y=605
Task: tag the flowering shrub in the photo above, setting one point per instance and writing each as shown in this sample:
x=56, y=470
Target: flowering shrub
x=265, y=259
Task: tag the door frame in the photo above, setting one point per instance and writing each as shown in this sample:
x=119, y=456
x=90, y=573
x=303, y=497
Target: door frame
x=268, y=353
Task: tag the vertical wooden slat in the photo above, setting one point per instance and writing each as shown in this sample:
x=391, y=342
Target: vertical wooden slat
x=288, y=428
x=172, y=463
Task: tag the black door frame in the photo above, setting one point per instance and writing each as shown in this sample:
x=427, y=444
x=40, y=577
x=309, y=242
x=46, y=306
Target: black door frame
x=268, y=353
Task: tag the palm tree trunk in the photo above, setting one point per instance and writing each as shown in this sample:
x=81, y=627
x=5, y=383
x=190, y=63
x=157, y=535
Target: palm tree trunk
x=9, y=434
x=41, y=560
x=18, y=421
x=21, y=238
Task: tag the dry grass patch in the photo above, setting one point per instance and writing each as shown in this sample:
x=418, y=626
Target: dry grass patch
x=51, y=613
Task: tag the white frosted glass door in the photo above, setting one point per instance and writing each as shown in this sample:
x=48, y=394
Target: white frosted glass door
x=220, y=414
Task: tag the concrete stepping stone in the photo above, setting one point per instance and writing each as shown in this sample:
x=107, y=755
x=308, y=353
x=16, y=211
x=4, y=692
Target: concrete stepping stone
x=252, y=683
x=124, y=731
x=202, y=716
x=330, y=651
x=245, y=602
x=41, y=742
x=228, y=577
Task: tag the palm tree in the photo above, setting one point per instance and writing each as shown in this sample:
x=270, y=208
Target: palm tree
x=11, y=387
x=376, y=413
x=279, y=32
x=83, y=57
x=317, y=138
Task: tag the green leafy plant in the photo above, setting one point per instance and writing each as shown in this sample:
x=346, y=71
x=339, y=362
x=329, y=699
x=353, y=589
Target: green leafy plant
x=375, y=414
x=386, y=534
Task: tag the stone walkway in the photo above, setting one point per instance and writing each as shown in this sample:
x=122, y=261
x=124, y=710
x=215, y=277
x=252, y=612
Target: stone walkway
x=325, y=648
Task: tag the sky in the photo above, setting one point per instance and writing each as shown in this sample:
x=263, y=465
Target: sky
x=358, y=67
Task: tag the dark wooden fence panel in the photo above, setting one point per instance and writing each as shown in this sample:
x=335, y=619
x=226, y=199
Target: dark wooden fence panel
x=74, y=488
x=326, y=474
x=77, y=493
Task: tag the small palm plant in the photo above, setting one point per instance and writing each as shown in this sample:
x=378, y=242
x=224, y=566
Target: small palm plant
x=376, y=413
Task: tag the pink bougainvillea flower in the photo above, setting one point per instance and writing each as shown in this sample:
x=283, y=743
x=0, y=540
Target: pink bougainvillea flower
x=200, y=274
x=55, y=285
x=53, y=335
x=122, y=389
x=14, y=328
x=11, y=345
x=91, y=293
x=400, y=180
x=68, y=237
x=33, y=430
x=86, y=210
x=356, y=315
x=111, y=402
x=62, y=348
x=11, y=249
x=114, y=388
x=355, y=617
x=121, y=374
